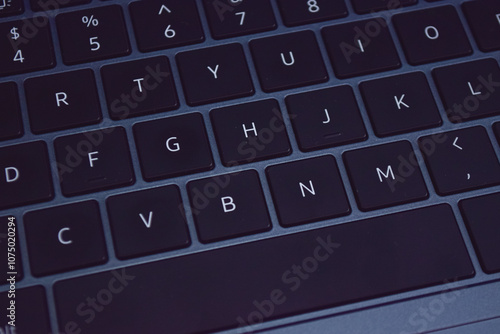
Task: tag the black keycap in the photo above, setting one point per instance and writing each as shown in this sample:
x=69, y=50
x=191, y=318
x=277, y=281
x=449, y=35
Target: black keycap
x=31, y=315
x=460, y=160
x=400, y=104
x=173, y=146
x=47, y=5
x=235, y=18
x=147, y=222
x=431, y=35
x=250, y=132
x=139, y=87
x=484, y=20
x=277, y=277
x=385, y=175
x=481, y=216
x=11, y=7
x=297, y=12
x=469, y=90
x=25, y=174
x=325, y=118
x=11, y=264
x=214, y=74
x=496, y=128
x=64, y=238
x=159, y=24
x=11, y=125
x=92, y=34
x=288, y=61
x=93, y=161
x=62, y=101
x=369, y=6
x=361, y=47
x=228, y=206
x=307, y=190
x=23, y=50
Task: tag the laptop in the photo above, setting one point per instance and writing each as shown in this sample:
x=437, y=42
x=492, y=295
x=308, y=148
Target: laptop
x=250, y=166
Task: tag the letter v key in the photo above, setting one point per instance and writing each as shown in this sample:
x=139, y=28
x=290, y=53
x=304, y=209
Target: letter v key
x=149, y=221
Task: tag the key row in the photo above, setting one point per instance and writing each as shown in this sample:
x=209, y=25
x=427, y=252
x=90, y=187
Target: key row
x=381, y=176
x=355, y=48
x=153, y=221
x=321, y=118
x=347, y=245
x=179, y=24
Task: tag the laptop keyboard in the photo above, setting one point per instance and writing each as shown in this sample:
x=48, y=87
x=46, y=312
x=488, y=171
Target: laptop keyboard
x=219, y=161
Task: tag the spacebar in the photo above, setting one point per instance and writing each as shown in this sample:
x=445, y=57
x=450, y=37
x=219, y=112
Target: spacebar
x=243, y=285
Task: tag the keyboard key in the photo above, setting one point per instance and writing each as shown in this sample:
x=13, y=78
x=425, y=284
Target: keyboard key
x=47, y=5
x=431, y=35
x=214, y=74
x=369, y=6
x=147, y=222
x=93, y=161
x=400, y=104
x=288, y=61
x=250, y=132
x=11, y=264
x=228, y=206
x=62, y=101
x=484, y=20
x=240, y=18
x=298, y=12
x=160, y=25
x=307, y=190
x=92, y=34
x=64, y=238
x=496, y=128
x=139, y=87
x=460, y=160
x=378, y=256
x=23, y=51
x=173, y=146
x=11, y=7
x=32, y=315
x=25, y=174
x=481, y=216
x=11, y=125
x=359, y=48
x=469, y=90
x=325, y=118
x=385, y=175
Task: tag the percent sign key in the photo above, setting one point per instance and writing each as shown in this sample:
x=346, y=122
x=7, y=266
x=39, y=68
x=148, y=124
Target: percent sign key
x=90, y=35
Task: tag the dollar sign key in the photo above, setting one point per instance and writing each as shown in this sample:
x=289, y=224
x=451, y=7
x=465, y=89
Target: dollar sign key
x=14, y=33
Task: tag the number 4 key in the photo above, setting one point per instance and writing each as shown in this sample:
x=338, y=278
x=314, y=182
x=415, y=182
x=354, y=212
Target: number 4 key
x=24, y=51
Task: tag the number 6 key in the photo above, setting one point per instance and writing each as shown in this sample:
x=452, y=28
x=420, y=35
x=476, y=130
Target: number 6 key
x=165, y=24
